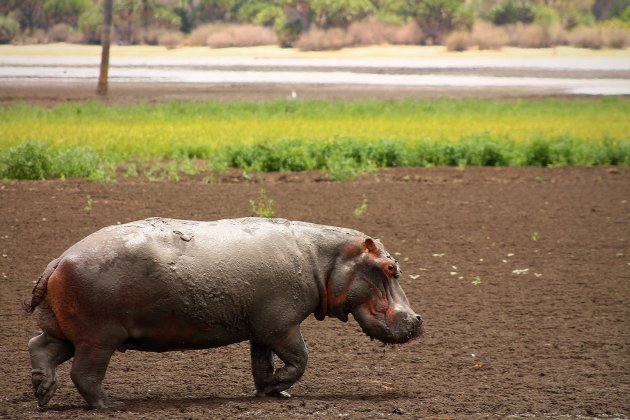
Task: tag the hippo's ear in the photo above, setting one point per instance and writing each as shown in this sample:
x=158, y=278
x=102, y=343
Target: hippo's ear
x=370, y=245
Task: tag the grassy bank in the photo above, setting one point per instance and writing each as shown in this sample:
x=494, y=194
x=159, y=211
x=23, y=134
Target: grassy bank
x=296, y=135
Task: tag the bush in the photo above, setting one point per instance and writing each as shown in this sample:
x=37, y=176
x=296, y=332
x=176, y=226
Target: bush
x=437, y=18
x=321, y=40
x=511, y=12
x=170, y=39
x=458, y=41
x=30, y=160
x=64, y=11
x=34, y=160
x=340, y=13
x=489, y=37
x=370, y=32
x=59, y=33
x=409, y=34
x=587, y=37
x=9, y=29
x=242, y=36
x=545, y=16
x=288, y=31
x=90, y=24
x=76, y=37
x=199, y=36
x=532, y=36
x=616, y=37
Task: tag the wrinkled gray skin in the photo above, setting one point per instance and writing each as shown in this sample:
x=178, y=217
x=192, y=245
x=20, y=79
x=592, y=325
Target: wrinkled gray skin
x=161, y=284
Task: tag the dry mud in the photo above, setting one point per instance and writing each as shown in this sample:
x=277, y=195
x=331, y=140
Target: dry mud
x=521, y=274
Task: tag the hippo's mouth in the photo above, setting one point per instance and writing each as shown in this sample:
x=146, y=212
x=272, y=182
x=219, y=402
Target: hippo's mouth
x=379, y=330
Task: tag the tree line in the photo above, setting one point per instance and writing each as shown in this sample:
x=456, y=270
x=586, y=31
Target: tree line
x=144, y=21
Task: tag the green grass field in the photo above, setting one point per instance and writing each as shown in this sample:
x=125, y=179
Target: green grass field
x=330, y=135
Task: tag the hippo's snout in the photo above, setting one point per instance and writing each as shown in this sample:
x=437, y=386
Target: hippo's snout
x=406, y=325
x=392, y=327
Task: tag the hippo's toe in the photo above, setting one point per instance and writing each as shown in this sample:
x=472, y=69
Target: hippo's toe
x=273, y=394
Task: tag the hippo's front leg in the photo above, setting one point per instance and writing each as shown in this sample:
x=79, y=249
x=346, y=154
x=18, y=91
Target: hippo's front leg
x=262, y=369
x=291, y=349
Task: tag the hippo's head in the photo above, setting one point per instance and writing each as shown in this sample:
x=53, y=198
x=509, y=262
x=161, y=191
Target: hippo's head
x=364, y=282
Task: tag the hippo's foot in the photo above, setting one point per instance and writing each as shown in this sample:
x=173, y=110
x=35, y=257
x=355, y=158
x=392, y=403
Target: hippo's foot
x=107, y=405
x=46, y=353
x=273, y=394
x=44, y=385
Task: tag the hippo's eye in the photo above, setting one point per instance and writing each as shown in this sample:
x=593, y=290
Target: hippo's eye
x=390, y=268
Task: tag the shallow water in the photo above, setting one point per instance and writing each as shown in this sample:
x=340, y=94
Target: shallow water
x=564, y=75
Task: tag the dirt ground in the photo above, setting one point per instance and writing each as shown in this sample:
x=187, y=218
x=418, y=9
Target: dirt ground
x=522, y=276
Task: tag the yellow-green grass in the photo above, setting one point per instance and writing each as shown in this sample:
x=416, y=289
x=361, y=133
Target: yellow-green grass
x=150, y=131
x=296, y=135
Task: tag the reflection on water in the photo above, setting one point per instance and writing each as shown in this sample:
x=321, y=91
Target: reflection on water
x=601, y=76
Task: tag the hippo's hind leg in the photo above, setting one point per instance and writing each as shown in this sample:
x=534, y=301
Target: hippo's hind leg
x=88, y=371
x=46, y=353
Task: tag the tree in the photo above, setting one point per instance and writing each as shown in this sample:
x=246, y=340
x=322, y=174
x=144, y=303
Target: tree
x=340, y=13
x=101, y=88
x=30, y=13
x=437, y=18
x=64, y=11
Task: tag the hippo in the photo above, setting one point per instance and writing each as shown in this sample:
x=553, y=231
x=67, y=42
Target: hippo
x=161, y=284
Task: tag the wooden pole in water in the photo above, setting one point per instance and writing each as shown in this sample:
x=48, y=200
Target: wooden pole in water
x=101, y=89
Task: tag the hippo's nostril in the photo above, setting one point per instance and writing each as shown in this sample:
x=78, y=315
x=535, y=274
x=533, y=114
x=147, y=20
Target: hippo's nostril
x=419, y=318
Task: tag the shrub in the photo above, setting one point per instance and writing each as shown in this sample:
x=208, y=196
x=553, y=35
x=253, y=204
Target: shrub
x=529, y=36
x=80, y=162
x=9, y=29
x=437, y=18
x=64, y=11
x=90, y=24
x=288, y=31
x=545, y=16
x=409, y=34
x=59, y=33
x=510, y=12
x=458, y=41
x=320, y=40
x=76, y=37
x=242, y=36
x=616, y=37
x=29, y=160
x=199, y=36
x=170, y=39
x=34, y=160
x=587, y=37
x=340, y=13
x=370, y=32
x=488, y=37
x=538, y=153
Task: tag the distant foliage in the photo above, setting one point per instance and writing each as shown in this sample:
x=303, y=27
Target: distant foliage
x=437, y=18
x=59, y=33
x=512, y=11
x=9, y=29
x=64, y=11
x=242, y=36
x=340, y=13
x=338, y=23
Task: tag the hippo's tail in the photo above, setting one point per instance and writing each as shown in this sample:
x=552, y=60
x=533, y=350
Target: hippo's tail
x=39, y=290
